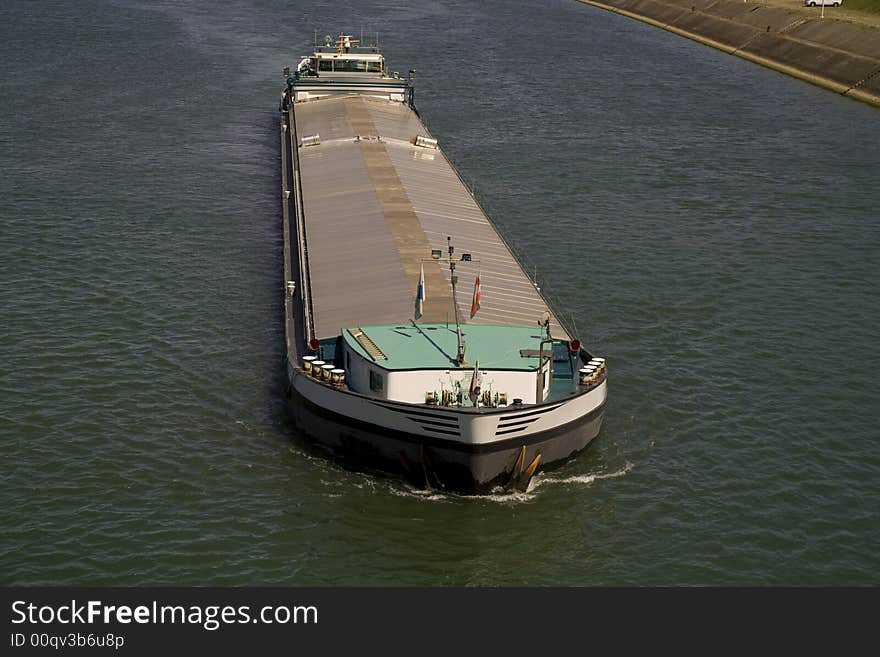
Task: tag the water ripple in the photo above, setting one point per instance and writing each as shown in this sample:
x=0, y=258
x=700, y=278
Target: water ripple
x=723, y=261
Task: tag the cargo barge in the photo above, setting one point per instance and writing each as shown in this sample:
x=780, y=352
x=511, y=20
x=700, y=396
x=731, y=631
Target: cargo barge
x=416, y=341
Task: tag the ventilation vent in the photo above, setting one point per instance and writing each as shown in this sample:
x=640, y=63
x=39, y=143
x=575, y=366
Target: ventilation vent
x=425, y=142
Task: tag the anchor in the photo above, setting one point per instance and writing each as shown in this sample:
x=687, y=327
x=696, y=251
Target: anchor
x=429, y=471
x=521, y=474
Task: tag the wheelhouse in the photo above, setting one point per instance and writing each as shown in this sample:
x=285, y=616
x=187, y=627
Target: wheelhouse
x=343, y=58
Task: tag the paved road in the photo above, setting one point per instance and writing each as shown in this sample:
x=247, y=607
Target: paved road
x=831, y=13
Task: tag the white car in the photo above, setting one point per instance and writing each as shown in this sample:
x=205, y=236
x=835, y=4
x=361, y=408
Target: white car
x=819, y=3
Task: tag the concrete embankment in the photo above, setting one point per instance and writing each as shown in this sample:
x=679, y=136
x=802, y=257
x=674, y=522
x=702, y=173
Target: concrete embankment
x=841, y=56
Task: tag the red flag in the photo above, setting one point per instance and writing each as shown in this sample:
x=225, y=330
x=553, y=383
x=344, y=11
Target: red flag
x=475, y=303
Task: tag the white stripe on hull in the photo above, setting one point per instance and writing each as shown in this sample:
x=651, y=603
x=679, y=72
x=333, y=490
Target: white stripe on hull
x=466, y=428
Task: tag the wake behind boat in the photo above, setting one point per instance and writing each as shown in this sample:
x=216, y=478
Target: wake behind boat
x=387, y=367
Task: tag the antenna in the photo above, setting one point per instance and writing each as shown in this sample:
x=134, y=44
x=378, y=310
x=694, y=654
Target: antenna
x=459, y=359
x=437, y=254
x=316, y=37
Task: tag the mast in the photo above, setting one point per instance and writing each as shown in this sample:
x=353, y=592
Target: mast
x=460, y=357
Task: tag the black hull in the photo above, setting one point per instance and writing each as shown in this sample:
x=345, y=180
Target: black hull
x=453, y=468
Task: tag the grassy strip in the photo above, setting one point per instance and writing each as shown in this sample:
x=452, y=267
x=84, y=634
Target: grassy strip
x=870, y=6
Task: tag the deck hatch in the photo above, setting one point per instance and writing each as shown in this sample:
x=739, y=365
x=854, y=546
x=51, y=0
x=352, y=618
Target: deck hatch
x=402, y=205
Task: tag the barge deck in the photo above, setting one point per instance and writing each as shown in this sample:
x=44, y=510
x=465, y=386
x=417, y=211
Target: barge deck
x=374, y=204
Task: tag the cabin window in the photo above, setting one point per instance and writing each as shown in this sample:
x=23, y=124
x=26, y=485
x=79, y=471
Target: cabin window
x=374, y=67
x=377, y=381
x=325, y=65
x=350, y=65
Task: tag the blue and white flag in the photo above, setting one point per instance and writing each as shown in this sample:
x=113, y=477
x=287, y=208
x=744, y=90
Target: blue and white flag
x=420, y=293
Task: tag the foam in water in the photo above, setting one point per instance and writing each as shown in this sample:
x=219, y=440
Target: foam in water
x=538, y=482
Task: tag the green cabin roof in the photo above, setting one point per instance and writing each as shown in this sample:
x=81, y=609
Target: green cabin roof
x=434, y=346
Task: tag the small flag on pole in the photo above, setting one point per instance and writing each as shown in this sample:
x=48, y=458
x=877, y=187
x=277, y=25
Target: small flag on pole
x=420, y=293
x=475, y=303
x=474, y=390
